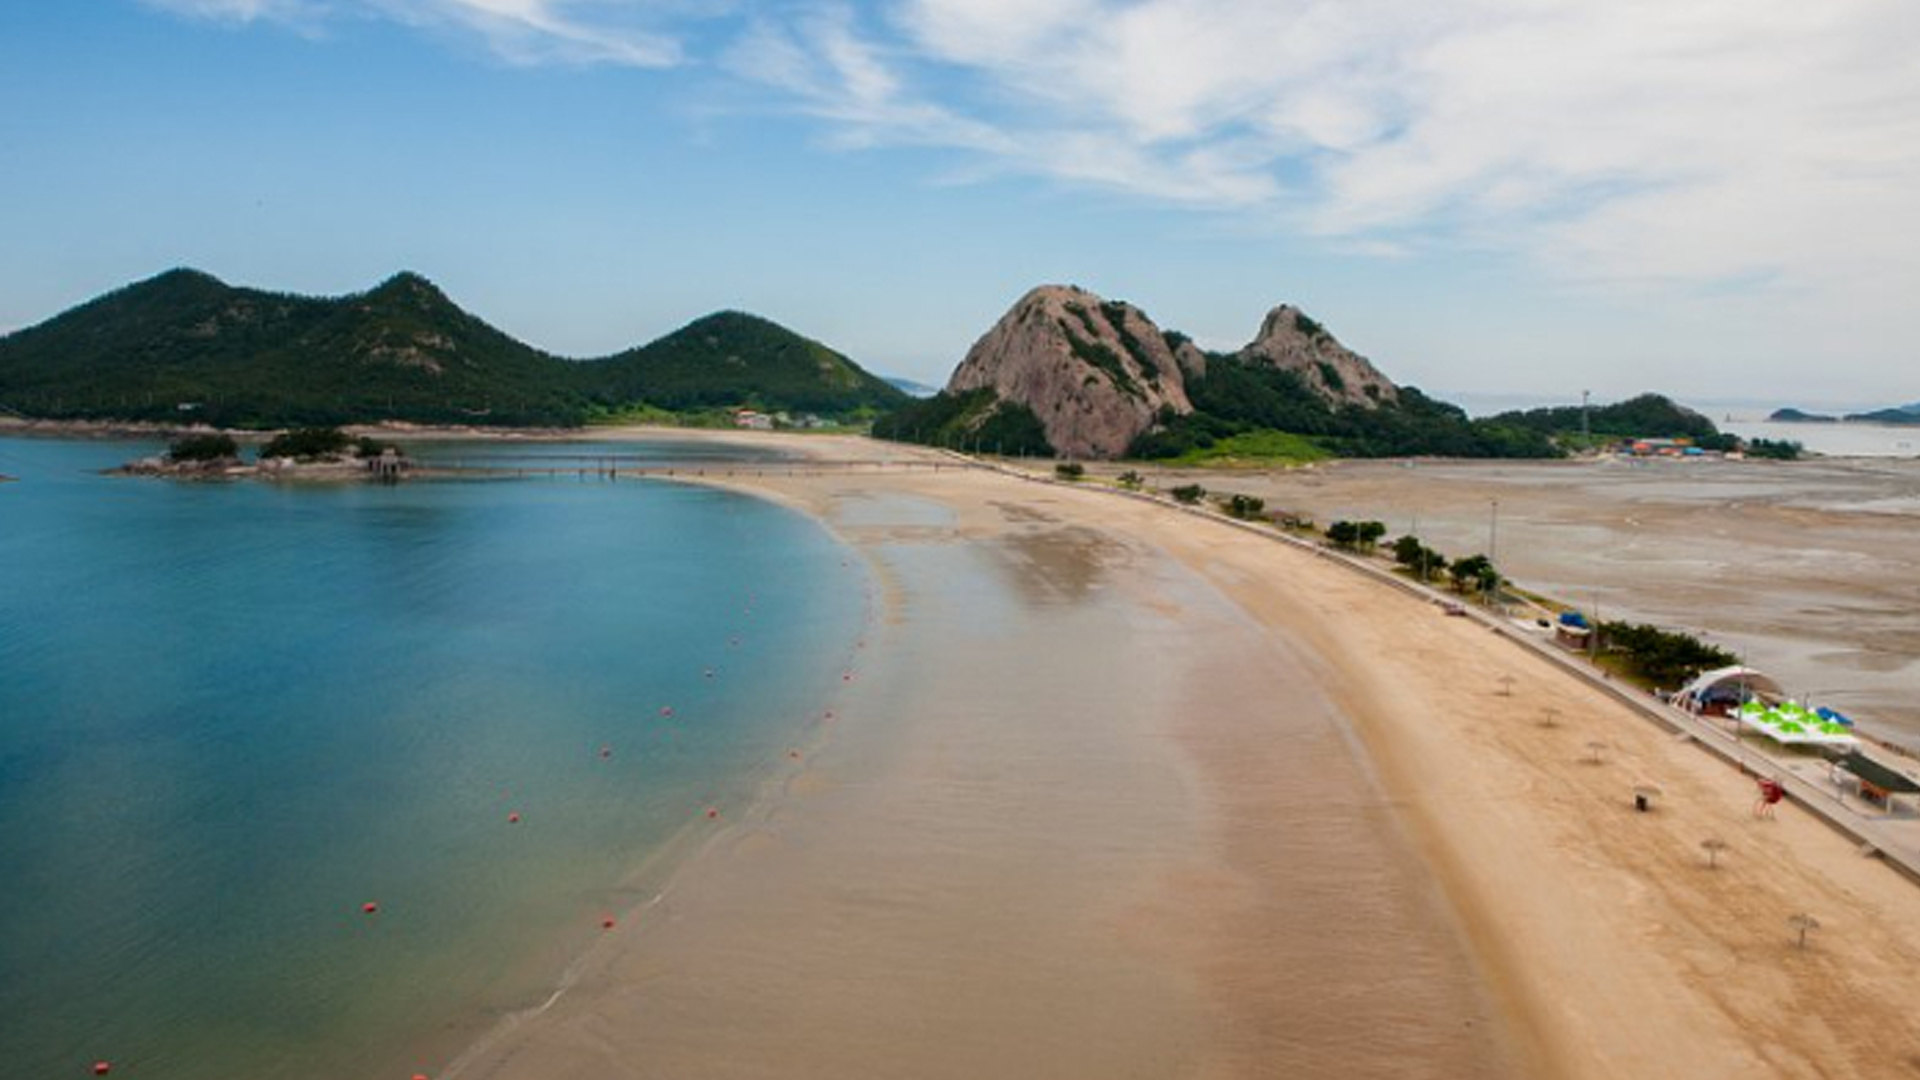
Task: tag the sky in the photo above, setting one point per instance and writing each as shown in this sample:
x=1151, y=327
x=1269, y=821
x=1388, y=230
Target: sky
x=1715, y=199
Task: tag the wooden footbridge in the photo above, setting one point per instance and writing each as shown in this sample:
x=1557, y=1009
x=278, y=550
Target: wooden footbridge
x=614, y=467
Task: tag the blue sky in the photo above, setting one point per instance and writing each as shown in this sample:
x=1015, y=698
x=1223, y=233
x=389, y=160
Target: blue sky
x=1713, y=198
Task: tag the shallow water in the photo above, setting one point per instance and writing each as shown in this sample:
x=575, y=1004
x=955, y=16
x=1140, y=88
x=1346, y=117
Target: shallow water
x=232, y=713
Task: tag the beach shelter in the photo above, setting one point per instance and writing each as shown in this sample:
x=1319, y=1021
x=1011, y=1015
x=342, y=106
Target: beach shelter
x=1877, y=781
x=1722, y=690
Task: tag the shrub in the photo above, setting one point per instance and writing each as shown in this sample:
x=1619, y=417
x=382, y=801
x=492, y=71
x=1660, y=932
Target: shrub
x=1131, y=480
x=1069, y=470
x=307, y=443
x=203, y=448
x=1775, y=449
x=1189, y=493
x=1244, y=507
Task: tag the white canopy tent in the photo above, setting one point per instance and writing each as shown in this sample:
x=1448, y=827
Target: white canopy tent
x=1733, y=685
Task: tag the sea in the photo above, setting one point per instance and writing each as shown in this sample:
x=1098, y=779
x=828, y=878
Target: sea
x=306, y=780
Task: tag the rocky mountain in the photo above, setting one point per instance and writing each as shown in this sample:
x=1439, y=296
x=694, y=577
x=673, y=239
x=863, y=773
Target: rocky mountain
x=1098, y=374
x=186, y=346
x=1291, y=341
x=1066, y=372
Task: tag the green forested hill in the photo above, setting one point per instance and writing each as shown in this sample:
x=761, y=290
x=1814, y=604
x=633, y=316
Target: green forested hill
x=402, y=351
x=732, y=358
x=1647, y=416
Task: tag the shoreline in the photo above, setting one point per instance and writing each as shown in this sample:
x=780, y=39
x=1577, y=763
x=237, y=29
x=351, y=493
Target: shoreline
x=1604, y=942
x=1570, y=907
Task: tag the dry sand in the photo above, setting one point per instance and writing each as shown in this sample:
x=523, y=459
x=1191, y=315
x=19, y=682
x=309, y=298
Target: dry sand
x=1115, y=791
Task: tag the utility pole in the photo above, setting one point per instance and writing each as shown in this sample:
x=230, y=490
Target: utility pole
x=1493, y=546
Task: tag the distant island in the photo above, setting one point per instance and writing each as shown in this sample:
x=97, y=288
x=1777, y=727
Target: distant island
x=186, y=348
x=1905, y=415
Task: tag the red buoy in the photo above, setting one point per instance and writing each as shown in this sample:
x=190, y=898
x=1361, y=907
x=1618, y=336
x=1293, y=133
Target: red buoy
x=419, y=1076
x=102, y=1068
x=712, y=812
x=606, y=752
x=666, y=710
x=513, y=818
x=606, y=923
x=369, y=907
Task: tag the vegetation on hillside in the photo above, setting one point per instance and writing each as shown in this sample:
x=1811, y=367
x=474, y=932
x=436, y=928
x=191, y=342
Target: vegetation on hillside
x=1238, y=397
x=976, y=420
x=185, y=347
x=1648, y=416
x=732, y=359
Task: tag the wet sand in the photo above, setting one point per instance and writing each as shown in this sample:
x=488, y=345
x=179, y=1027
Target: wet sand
x=1114, y=791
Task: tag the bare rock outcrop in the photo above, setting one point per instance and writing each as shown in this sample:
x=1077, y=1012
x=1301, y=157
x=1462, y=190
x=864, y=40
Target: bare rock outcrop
x=1289, y=339
x=1095, y=372
x=1098, y=374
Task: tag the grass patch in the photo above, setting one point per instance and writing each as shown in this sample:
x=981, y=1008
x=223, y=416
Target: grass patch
x=1255, y=447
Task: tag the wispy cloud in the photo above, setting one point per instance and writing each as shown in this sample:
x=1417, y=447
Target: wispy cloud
x=1632, y=140
x=1608, y=140
x=527, y=32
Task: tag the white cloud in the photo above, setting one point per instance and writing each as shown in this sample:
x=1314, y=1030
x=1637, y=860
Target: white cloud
x=581, y=32
x=1765, y=143
x=1654, y=141
x=297, y=12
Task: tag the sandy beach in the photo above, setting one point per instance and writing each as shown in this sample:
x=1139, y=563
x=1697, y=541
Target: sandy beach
x=1113, y=791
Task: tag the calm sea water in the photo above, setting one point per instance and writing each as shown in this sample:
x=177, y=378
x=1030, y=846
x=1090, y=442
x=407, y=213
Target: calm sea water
x=233, y=713
x=1834, y=440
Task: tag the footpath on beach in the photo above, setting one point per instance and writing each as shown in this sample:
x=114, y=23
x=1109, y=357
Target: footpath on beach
x=1891, y=836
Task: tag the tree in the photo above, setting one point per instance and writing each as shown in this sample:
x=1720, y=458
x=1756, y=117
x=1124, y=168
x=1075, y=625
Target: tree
x=203, y=448
x=1775, y=449
x=307, y=443
x=1356, y=535
x=1475, y=573
x=1425, y=562
x=1662, y=657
